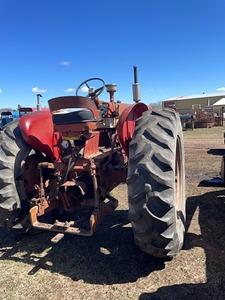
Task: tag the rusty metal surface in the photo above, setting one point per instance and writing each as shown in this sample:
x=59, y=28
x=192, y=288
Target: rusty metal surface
x=70, y=227
x=31, y=173
x=75, y=131
x=92, y=145
x=67, y=202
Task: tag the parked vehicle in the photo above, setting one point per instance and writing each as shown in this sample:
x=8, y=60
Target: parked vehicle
x=25, y=110
x=6, y=117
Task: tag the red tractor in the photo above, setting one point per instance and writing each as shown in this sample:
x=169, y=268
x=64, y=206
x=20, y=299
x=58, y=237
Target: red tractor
x=58, y=167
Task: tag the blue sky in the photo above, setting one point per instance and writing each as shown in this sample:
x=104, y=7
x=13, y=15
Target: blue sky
x=178, y=45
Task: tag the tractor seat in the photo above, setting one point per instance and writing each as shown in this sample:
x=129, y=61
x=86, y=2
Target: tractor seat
x=72, y=116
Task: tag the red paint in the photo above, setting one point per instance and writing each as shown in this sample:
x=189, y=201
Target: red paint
x=38, y=132
x=126, y=124
x=92, y=145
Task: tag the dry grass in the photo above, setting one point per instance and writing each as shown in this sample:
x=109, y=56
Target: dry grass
x=109, y=266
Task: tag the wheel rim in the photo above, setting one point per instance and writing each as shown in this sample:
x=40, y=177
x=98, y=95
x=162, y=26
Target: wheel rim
x=178, y=177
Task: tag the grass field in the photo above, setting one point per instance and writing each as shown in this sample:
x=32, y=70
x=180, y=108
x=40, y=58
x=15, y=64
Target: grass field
x=109, y=266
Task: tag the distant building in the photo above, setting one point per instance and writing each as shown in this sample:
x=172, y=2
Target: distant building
x=186, y=104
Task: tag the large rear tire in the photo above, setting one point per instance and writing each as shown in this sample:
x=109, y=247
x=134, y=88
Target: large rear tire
x=156, y=183
x=13, y=153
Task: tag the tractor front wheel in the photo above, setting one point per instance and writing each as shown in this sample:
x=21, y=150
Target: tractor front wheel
x=156, y=183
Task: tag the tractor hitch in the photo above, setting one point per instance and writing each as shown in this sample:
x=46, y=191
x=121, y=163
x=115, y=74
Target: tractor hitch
x=105, y=208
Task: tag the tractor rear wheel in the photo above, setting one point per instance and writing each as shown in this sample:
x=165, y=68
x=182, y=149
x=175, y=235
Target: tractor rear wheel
x=156, y=183
x=13, y=153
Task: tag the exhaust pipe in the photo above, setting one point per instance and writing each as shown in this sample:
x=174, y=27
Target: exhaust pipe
x=136, y=87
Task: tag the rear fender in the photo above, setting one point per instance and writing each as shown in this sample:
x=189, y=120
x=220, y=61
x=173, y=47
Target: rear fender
x=126, y=123
x=38, y=132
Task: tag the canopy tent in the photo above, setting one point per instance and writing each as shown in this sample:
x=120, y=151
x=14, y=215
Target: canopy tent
x=221, y=102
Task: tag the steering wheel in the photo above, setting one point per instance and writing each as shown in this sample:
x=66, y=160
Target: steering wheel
x=92, y=92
